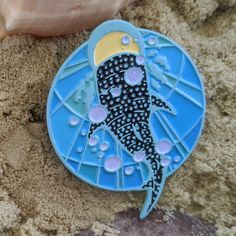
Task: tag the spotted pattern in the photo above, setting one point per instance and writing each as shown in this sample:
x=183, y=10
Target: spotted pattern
x=128, y=114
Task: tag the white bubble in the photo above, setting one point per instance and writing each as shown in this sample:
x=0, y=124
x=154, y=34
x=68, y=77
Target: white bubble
x=100, y=154
x=152, y=41
x=74, y=121
x=177, y=159
x=104, y=146
x=83, y=132
x=129, y=170
x=79, y=149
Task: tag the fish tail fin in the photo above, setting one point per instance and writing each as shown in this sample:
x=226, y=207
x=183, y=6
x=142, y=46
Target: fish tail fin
x=154, y=188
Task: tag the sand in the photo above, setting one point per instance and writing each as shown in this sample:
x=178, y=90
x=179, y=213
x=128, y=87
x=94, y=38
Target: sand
x=38, y=196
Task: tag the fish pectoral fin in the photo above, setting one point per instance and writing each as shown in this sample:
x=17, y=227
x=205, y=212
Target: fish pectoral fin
x=162, y=104
x=93, y=128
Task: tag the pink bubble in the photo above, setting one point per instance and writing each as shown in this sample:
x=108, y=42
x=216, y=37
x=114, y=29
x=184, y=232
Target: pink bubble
x=163, y=146
x=165, y=161
x=74, y=121
x=129, y=170
x=133, y=76
x=112, y=164
x=104, y=146
x=115, y=92
x=139, y=156
x=98, y=114
x=125, y=40
x=93, y=140
x=140, y=60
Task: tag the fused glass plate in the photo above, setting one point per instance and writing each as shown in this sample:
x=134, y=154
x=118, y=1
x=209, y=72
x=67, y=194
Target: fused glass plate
x=126, y=109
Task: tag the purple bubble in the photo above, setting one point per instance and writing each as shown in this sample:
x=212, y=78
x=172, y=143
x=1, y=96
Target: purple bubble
x=152, y=41
x=104, y=146
x=140, y=60
x=165, y=161
x=115, y=92
x=93, y=140
x=112, y=164
x=133, y=76
x=163, y=146
x=139, y=156
x=98, y=114
x=125, y=40
x=74, y=121
x=129, y=170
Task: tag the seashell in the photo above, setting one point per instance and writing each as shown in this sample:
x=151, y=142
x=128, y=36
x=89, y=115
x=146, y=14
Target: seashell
x=52, y=18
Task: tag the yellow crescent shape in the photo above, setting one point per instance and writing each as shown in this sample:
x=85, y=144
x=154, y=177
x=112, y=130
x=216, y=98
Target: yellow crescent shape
x=111, y=44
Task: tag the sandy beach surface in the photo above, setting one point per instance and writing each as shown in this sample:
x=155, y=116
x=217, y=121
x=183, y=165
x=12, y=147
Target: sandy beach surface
x=38, y=196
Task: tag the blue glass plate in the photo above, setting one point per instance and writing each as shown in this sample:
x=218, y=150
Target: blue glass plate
x=126, y=109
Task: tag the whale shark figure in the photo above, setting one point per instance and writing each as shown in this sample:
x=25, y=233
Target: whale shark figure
x=123, y=91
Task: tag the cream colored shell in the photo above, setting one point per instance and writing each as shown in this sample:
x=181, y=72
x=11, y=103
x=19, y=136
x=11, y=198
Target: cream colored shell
x=54, y=17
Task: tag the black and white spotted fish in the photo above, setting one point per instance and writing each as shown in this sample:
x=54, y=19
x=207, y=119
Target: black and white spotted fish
x=126, y=104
